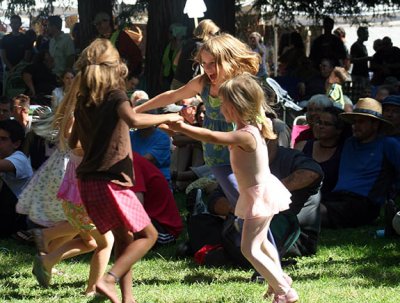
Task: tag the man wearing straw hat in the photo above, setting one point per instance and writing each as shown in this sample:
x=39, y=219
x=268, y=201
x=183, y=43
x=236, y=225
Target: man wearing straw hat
x=369, y=165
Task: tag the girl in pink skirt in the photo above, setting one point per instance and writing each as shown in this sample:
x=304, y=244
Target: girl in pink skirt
x=261, y=194
x=103, y=116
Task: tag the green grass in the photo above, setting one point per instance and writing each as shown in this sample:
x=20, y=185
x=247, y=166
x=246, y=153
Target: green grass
x=350, y=266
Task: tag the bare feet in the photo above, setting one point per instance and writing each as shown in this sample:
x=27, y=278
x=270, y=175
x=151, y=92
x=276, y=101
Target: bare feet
x=106, y=286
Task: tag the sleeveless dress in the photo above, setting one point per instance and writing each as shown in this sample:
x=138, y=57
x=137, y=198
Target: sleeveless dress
x=261, y=193
x=214, y=155
x=38, y=200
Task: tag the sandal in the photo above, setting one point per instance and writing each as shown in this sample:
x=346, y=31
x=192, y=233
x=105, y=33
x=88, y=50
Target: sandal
x=23, y=236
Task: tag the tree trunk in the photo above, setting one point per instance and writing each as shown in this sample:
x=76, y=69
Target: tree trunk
x=222, y=12
x=162, y=13
x=87, y=10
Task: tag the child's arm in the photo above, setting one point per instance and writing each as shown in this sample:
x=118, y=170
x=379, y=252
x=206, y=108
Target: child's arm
x=138, y=120
x=241, y=138
x=191, y=89
x=6, y=166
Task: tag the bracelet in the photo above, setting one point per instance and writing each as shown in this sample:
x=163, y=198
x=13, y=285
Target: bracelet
x=114, y=276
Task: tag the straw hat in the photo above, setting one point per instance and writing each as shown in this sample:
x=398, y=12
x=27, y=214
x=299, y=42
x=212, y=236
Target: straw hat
x=367, y=107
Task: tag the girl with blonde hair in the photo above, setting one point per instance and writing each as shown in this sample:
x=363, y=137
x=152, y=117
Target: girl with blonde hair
x=262, y=195
x=222, y=57
x=89, y=237
x=103, y=116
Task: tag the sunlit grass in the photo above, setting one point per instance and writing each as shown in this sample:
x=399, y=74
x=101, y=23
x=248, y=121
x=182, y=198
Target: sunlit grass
x=351, y=266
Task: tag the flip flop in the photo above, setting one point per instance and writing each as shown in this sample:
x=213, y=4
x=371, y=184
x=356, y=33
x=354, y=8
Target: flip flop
x=40, y=273
x=38, y=238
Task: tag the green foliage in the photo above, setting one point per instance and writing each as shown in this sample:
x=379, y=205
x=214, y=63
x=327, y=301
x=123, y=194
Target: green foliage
x=287, y=10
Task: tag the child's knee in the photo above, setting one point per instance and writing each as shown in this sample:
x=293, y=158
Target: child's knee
x=91, y=243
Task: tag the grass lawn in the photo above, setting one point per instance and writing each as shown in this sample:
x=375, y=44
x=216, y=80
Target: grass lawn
x=351, y=266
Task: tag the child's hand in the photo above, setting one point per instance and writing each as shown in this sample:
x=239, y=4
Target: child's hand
x=176, y=125
x=172, y=118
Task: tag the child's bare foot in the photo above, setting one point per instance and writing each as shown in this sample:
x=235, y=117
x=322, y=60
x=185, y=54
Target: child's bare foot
x=106, y=286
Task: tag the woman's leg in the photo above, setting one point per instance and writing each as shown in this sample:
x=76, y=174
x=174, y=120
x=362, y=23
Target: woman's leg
x=254, y=242
x=227, y=181
x=128, y=251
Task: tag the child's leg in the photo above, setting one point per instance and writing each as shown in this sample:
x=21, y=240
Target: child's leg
x=254, y=242
x=100, y=258
x=127, y=253
x=70, y=249
x=55, y=236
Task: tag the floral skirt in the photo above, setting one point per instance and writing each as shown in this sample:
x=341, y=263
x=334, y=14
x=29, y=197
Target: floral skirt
x=39, y=200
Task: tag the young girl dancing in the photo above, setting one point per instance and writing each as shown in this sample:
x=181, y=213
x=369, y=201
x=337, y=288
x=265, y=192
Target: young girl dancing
x=89, y=238
x=222, y=57
x=103, y=116
x=261, y=194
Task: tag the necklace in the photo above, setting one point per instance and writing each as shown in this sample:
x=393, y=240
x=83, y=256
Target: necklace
x=327, y=146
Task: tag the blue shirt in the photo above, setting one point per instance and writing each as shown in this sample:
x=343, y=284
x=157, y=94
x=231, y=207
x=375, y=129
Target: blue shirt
x=158, y=144
x=369, y=169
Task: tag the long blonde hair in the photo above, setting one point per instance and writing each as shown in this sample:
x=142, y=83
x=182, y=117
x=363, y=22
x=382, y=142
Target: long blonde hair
x=101, y=71
x=231, y=55
x=206, y=29
x=248, y=98
x=64, y=118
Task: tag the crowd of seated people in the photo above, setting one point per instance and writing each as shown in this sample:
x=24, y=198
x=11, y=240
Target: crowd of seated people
x=340, y=169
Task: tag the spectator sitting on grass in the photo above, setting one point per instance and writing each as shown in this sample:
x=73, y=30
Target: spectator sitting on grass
x=15, y=172
x=369, y=165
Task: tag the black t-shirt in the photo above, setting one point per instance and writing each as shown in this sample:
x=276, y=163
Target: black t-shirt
x=327, y=46
x=358, y=50
x=15, y=47
x=287, y=161
x=44, y=81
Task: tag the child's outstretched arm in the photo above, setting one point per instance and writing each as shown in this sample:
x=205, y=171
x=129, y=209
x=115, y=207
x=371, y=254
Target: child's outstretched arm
x=138, y=120
x=191, y=89
x=243, y=139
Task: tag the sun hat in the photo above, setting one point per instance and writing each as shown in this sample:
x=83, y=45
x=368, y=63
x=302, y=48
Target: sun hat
x=172, y=108
x=392, y=99
x=366, y=107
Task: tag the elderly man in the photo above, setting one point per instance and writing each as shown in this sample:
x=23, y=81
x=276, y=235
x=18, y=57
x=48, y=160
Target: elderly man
x=369, y=166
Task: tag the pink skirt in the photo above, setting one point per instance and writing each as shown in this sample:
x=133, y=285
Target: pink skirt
x=68, y=190
x=110, y=206
x=262, y=200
